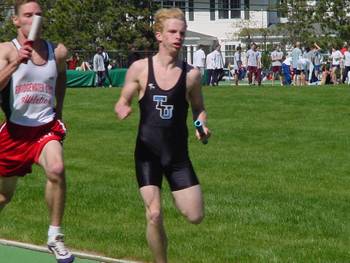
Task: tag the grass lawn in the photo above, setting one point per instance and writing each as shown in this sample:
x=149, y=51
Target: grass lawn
x=275, y=176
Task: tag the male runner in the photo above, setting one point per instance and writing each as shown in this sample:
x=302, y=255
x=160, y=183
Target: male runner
x=165, y=87
x=32, y=85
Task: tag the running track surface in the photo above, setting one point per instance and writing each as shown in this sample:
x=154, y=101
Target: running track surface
x=11, y=254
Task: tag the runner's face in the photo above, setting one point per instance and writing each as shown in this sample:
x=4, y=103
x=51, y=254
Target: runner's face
x=173, y=34
x=23, y=20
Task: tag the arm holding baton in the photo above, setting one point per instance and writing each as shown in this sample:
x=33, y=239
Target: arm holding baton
x=199, y=126
x=34, y=32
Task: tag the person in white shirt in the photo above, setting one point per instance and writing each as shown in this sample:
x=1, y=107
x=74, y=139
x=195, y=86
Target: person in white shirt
x=302, y=70
x=336, y=57
x=252, y=64
x=219, y=66
x=99, y=67
x=317, y=60
x=106, y=60
x=346, y=65
x=199, y=59
x=210, y=63
x=260, y=65
x=276, y=58
x=296, y=53
x=237, y=64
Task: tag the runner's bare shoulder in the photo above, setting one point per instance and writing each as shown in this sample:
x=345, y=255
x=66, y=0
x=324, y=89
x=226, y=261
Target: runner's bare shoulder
x=7, y=50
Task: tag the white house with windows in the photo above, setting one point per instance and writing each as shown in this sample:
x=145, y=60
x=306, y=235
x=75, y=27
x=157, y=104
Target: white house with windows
x=211, y=21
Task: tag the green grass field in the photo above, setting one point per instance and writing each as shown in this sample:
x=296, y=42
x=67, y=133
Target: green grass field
x=275, y=176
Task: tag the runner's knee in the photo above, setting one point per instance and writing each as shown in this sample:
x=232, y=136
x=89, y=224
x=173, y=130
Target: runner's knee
x=154, y=216
x=56, y=168
x=5, y=198
x=55, y=172
x=194, y=217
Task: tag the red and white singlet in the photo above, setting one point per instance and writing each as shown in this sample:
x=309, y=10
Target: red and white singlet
x=32, y=91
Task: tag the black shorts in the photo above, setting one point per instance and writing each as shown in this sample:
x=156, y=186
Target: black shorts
x=297, y=71
x=150, y=168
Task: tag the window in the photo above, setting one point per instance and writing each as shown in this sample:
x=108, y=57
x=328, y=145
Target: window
x=181, y=5
x=223, y=9
x=167, y=4
x=229, y=9
x=229, y=54
x=246, y=9
x=190, y=10
x=212, y=9
x=235, y=8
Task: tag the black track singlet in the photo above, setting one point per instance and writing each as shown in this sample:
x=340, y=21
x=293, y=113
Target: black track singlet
x=161, y=146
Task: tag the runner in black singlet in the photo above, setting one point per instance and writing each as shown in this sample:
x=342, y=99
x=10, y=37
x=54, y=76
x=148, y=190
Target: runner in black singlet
x=165, y=87
x=162, y=140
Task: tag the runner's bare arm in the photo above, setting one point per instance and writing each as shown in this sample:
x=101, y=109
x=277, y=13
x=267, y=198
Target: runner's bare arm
x=61, y=56
x=131, y=87
x=10, y=59
x=195, y=97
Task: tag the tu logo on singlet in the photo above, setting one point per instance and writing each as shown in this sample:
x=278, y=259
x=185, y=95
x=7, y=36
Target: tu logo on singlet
x=165, y=111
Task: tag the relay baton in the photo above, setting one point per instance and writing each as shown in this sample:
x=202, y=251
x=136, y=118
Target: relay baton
x=34, y=30
x=199, y=126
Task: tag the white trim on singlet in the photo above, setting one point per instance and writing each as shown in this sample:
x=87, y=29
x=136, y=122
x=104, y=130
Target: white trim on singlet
x=2, y=127
x=32, y=94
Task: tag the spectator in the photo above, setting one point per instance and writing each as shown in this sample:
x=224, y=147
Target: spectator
x=296, y=54
x=237, y=64
x=199, y=59
x=106, y=64
x=309, y=67
x=260, y=65
x=276, y=58
x=85, y=66
x=336, y=57
x=219, y=65
x=301, y=71
x=252, y=64
x=73, y=61
x=287, y=70
x=344, y=48
x=326, y=76
x=317, y=60
x=210, y=63
x=346, y=65
x=99, y=67
x=342, y=66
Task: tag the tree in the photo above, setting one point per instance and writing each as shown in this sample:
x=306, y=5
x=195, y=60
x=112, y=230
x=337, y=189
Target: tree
x=325, y=22
x=333, y=17
x=300, y=22
x=7, y=30
x=85, y=24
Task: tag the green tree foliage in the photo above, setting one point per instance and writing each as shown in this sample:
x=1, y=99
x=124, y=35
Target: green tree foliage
x=325, y=22
x=7, y=30
x=300, y=24
x=333, y=16
x=85, y=24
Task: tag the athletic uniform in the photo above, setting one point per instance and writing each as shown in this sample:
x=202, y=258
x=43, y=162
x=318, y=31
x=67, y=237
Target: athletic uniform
x=276, y=57
x=28, y=103
x=161, y=146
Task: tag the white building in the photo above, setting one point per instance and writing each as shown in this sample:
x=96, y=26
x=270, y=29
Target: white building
x=221, y=21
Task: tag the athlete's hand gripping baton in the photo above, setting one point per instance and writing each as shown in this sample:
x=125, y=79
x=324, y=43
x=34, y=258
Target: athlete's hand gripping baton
x=34, y=30
x=199, y=126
